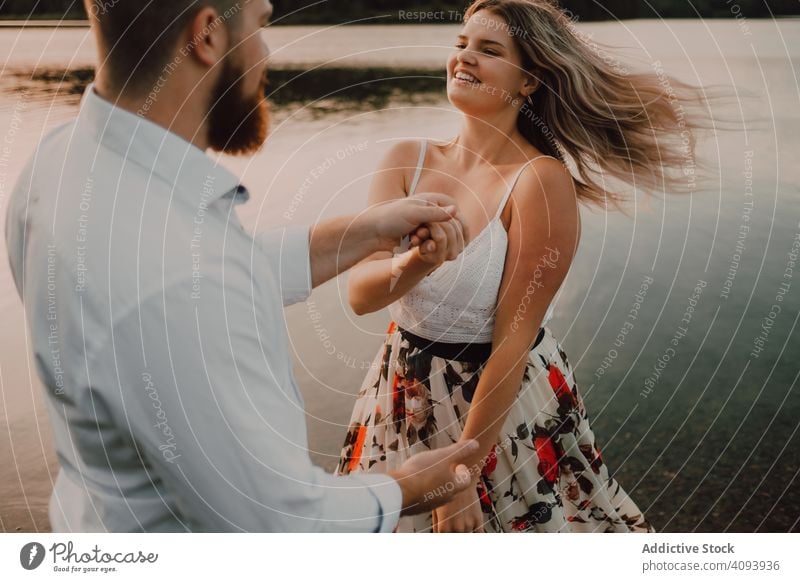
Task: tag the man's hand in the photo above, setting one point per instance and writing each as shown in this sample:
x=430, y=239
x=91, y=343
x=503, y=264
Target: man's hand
x=445, y=244
x=414, y=217
x=432, y=478
x=462, y=514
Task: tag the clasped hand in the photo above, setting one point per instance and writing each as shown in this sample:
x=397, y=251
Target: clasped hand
x=430, y=220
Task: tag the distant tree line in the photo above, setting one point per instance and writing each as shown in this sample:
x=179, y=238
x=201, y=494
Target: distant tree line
x=386, y=11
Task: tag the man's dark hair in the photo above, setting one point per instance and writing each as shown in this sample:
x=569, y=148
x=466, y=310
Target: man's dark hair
x=140, y=36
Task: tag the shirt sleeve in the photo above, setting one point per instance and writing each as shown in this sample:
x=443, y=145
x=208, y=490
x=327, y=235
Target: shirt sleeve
x=15, y=222
x=289, y=255
x=214, y=408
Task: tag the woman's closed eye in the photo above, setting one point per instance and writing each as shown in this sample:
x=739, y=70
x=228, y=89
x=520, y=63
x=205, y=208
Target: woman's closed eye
x=488, y=51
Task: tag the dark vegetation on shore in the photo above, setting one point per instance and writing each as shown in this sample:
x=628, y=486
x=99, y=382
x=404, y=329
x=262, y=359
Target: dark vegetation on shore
x=441, y=11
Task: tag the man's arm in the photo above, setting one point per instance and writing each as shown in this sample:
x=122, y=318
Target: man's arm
x=288, y=253
x=339, y=243
x=303, y=257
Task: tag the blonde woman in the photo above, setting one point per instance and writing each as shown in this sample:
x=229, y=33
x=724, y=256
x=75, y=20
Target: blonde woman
x=468, y=353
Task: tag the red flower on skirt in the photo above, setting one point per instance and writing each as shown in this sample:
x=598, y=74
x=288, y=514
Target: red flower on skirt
x=548, y=460
x=483, y=496
x=560, y=386
x=360, y=436
x=491, y=463
x=520, y=524
x=597, y=462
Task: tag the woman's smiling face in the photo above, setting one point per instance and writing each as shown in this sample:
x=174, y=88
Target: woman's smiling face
x=484, y=72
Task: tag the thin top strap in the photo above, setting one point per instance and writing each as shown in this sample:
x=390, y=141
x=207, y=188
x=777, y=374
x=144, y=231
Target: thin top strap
x=420, y=163
x=514, y=183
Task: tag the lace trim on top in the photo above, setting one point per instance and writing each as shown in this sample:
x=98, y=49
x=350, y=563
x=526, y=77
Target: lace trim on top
x=456, y=302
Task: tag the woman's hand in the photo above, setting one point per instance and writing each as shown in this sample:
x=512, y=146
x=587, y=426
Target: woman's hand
x=445, y=242
x=389, y=221
x=462, y=514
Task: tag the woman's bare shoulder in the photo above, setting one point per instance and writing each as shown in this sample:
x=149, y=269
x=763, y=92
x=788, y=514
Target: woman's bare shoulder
x=402, y=153
x=545, y=190
x=547, y=177
x=393, y=176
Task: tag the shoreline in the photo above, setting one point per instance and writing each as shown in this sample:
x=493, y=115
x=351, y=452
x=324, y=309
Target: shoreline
x=33, y=23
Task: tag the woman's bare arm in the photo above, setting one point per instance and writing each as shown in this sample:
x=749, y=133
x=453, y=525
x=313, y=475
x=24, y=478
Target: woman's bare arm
x=542, y=240
x=382, y=277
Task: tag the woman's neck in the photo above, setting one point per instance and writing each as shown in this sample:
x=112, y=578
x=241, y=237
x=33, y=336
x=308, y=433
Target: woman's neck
x=492, y=141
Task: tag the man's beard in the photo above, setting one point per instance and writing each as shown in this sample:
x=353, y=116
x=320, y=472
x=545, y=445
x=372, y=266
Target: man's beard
x=238, y=123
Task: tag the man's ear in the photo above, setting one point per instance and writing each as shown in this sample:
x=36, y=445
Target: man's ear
x=206, y=37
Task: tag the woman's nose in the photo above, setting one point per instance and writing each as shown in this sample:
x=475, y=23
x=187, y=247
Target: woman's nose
x=466, y=56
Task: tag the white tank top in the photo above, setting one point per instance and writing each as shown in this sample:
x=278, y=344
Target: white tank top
x=456, y=302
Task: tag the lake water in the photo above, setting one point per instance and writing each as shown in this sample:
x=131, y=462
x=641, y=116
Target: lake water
x=697, y=425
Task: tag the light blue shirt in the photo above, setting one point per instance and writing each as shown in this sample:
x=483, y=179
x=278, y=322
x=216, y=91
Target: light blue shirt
x=158, y=331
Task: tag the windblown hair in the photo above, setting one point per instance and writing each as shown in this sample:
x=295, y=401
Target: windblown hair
x=140, y=37
x=636, y=127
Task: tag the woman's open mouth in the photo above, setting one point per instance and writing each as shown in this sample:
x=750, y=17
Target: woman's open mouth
x=462, y=78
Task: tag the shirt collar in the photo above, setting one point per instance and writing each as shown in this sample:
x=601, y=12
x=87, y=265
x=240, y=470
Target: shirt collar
x=189, y=171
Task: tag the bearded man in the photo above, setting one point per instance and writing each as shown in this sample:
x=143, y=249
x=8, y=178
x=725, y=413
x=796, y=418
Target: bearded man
x=157, y=322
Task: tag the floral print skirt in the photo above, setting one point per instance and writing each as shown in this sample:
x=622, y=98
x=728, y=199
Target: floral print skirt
x=546, y=472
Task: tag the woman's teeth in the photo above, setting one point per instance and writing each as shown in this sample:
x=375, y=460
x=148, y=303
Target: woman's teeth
x=466, y=77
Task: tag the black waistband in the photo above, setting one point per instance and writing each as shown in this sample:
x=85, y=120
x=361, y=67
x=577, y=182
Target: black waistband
x=463, y=352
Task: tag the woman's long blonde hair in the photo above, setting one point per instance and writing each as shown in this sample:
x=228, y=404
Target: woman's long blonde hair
x=636, y=127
